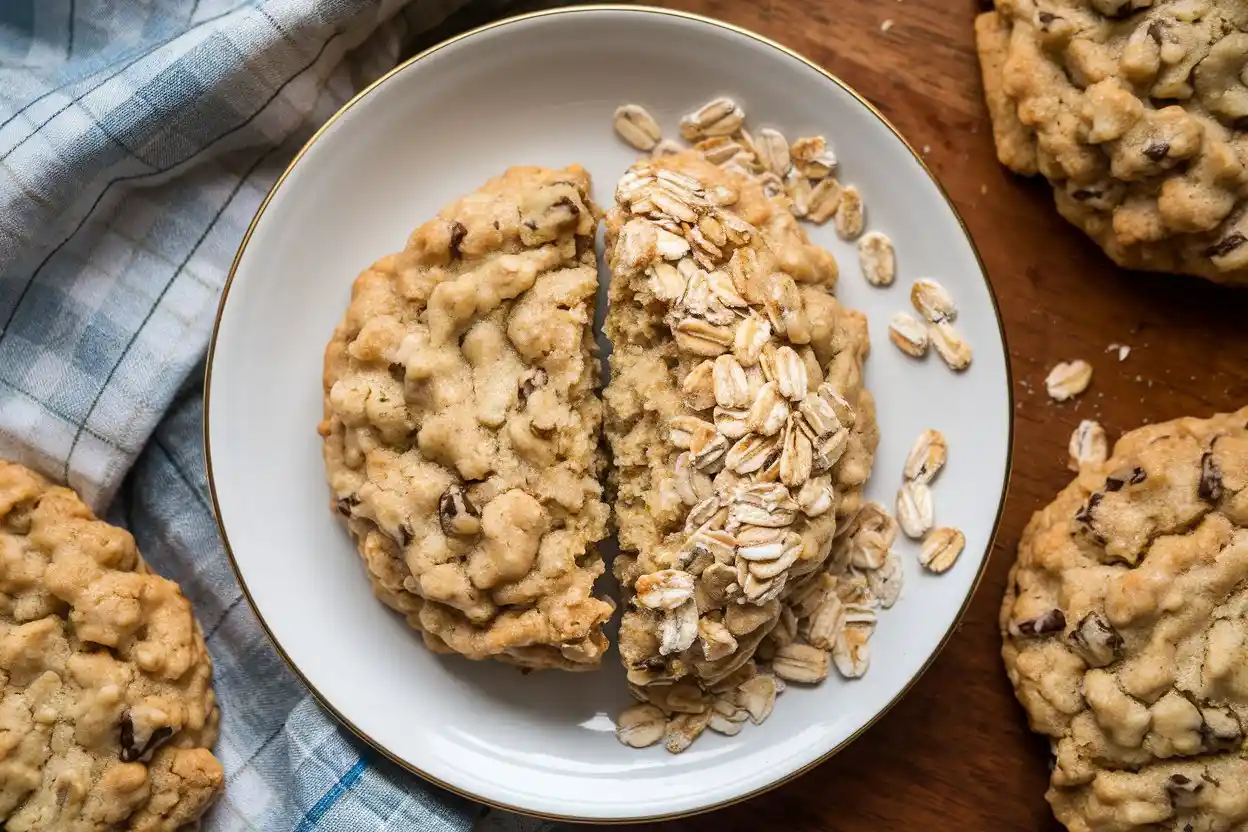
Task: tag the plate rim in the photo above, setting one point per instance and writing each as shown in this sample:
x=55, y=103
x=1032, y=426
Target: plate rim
x=983, y=275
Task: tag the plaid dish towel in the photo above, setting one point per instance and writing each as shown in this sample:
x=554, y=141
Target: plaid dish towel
x=137, y=140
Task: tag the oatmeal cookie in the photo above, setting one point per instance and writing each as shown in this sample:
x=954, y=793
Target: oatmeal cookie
x=461, y=428
x=1126, y=631
x=1134, y=110
x=106, y=708
x=741, y=431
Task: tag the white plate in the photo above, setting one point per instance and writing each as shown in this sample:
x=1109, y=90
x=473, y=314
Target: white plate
x=541, y=90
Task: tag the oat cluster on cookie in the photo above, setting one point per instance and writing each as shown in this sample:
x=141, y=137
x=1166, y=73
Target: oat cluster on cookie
x=461, y=426
x=106, y=709
x=1126, y=631
x=742, y=436
x=1134, y=110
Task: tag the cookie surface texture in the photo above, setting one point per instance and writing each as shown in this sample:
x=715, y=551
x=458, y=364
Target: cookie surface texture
x=1134, y=110
x=461, y=428
x=106, y=706
x=1125, y=630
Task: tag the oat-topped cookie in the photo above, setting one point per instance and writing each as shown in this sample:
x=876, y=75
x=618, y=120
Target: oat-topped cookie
x=106, y=708
x=1135, y=111
x=742, y=436
x=1126, y=631
x=461, y=427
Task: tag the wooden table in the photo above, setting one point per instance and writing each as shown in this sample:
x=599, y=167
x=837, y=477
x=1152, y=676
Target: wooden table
x=955, y=754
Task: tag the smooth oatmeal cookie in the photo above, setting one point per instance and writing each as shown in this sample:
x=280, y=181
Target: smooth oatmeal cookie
x=1126, y=632
x=106, y=707
x=1134, y=110
x=461, y=428
x=742, y=438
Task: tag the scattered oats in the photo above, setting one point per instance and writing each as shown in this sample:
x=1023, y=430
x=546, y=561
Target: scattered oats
x=950, y=346
x=1069, y=379
x=927, y=456
x=720, y=117
x=877, y=258
x=683, y=729
x=915, y=512
x=941, y=549
x=636, y=126
x=757, y=696
x=719, y=150
x=798, y=188
x=800, y=663
x=812, y=157
x=1123, y=352
x=773, y=151
x=640, y=726
x=909, y=334
x=666, y=589
x=1088, y=445
x=728, y=380
x=824, y=201
x=849, y=213
x=927, y=148
x=886, y=582
x=933, y=301
x=851, y=653
x=886, y=25
x=678, y=628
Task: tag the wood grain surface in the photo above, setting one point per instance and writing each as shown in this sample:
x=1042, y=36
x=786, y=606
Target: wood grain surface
x=956, y=754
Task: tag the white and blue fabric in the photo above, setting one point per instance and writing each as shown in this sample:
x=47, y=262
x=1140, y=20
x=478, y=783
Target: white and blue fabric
x=137, y=140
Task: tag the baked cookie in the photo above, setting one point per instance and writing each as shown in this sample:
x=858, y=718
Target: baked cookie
x=106, y=706
x=1126, y=632
x=461, y=427
x=741, y=431
x=1134, y=110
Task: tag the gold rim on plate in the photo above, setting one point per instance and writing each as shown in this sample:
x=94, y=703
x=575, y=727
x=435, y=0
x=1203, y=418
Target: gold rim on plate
x=225, y=292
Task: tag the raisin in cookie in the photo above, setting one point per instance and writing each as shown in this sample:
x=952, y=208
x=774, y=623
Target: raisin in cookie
x=106, y=708
x=1126, y=632
x=461, y=428
x=1134, y=110
x=741, y=431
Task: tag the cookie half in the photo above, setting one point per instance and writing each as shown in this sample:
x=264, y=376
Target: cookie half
x=106, y=707
x=1134, y=110
x=741, y=431
x=1125, y=631
x=461, y=428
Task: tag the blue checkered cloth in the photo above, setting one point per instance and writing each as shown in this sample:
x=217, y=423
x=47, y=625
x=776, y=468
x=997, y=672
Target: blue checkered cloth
x=137, y=140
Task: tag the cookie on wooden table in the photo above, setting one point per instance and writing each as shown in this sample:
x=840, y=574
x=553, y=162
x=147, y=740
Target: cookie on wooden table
x=1134, y=110
x=1126, y=632
x=461, y=427
x=106, y=707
